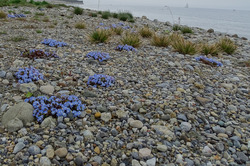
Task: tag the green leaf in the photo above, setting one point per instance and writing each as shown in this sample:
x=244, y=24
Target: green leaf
x=29, y=94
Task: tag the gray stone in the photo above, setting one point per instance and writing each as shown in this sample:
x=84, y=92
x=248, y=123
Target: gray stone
x=97, y=159
x=136, y=124
x=182, y=117
x=9, y=76
x=136, y=106
x=163, y=85
x=79, y=161
x=47, y=89
x=49, y=122
x=151, y=162
x=45, y=161
x=135, y=163
x=28, y=87
x=14, y=125
x=144, y=152
x=4, y=107
x=220, y=147
x=232, y=108
x=87, y=93
x=179, y=159
x=34, y=150
x=19, y=146
x=106, y=117
x=22, y=111
x=202, y=100
x=62, y=126
x=185, y=126
x=2, y=74
x=170, y=135
x=162, y=148
x=189, y=162
x=5, y=82
x=102, y=109
x=207, y=151
x=242, y=156
x=88, y=135
x=217, y=129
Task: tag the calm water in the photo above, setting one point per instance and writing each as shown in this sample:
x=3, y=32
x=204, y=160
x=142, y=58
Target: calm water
x=228, y=21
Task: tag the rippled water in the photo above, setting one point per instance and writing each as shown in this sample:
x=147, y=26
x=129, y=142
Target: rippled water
x=228, y=21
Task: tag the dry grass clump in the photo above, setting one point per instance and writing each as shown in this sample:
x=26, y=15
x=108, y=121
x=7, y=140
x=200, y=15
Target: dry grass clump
x=100, y=36
x=211, y=49
x=131, y=39
x=80, y=25
x=117, y=30
x=227, y=45
x=160, y=41
x=2, y=15
x=145, y=32
x=182, y=46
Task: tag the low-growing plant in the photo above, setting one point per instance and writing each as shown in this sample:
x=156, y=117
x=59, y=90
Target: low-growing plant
x=160, y=41
x=28, y=74
x=118, y=30
x=78, y=11
x=208, y=61
x=131, y=39
x=176, y=27
x=18, y=38
x=54, y=43
x=99, y=36
x=183, y=46
x=3, y=33
x=93, y=14
x=38, y=54
x=207, y=49
x=30, y=26
x=100, y=56
x=247, y=63
x=115, y=15
x=186, y=29
x=46, y=19
x=80, y=25
x=100, y=79
x=106, y=14
x=124, y=16
x=39, y=14
x=65, y=106
x=145, y=32
x=227, y=45
x=39, y=31
x=2, y=15
x=99, y=12
x=125, y=47
x=16, y=15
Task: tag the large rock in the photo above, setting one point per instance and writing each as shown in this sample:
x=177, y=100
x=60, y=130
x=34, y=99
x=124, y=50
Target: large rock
x=48, y=89
x=22, y=111
x=28, y=87
x=48, y=122
x=14, y=125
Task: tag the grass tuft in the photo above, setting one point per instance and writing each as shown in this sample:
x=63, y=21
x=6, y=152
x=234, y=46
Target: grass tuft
x=2, y=15
x=93, y=14
x=99, y=36
x=207, y=49
x=125, y=16
x=17, y=38
x=80, y=25
x=186, y=29
x=182, y=46
x=145, y=32
x=39, y=31
x=78, y=11
x=160, y=41
x=118, y=30
x=176, y=27
x=131, y=39
x=106, y=14
x=227, y=45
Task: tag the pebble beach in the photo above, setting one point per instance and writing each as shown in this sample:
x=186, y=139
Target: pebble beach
x=165, y=108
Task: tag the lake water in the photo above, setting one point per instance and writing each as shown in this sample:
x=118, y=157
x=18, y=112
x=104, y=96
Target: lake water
x=227, y=21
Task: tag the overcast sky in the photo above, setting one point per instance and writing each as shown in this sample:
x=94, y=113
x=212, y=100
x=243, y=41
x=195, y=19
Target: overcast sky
x=221, y=4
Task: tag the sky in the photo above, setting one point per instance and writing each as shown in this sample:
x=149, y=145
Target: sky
x=217, y=4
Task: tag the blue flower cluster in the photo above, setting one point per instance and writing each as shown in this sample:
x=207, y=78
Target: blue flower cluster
x=38, y=53
x=16, y=15
x=209, y=61
x=101, y=56
x=54, y=43
x=55, y=106
x=125, y=47
x=28, y=74
x=102, y=80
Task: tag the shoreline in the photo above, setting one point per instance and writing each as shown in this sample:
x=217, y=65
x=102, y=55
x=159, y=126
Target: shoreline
x=165, y=108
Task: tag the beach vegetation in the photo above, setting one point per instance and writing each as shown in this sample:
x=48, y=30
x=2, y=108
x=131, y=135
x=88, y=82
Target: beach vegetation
x=182, y=46
x=26, y=12
x=78, y=11
x=186, y=29
x=247, y=63
x=145, y=32
x=176, y=27
x=2, y=15
x=227, y=45
x=39, y=14
x=80, y=25
x=125, y=16
x=100, y=36
x=117, y=30
x=160, y=41
x=211, y=49
x=46, y=19
x=39, y=31
x=93, y=14
x=18, y=38
x=3, y=33
x=106, y=14
x=131, y=39
x=115, y=15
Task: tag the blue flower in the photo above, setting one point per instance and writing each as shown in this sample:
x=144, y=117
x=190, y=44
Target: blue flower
x=54, y=43
x=209, y=61
x=125, y=47
x=101, y=56
x=100, y=79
